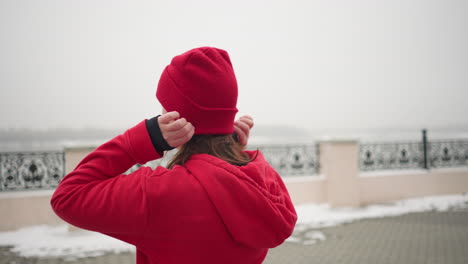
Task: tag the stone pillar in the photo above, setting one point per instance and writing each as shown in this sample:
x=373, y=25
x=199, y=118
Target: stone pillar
x=339, y=164
x=73, y=156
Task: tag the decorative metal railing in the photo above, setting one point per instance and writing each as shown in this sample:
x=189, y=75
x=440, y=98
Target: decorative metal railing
x=390, y=156
x=31, y=170
x=292, y=160
x=413, y=155
x=448, y=153
x=44, y=170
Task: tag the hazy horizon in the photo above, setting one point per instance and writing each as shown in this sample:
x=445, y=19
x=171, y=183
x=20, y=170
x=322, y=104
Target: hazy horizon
x=58, y=139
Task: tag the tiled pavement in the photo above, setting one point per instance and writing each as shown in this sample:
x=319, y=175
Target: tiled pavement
x=415, y=238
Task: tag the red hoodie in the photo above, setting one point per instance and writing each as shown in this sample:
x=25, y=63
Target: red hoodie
x=207, y=211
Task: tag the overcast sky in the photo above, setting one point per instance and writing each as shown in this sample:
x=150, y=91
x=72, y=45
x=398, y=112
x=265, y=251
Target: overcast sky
x=311, y=64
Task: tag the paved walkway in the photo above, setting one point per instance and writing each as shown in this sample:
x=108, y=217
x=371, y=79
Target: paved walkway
x=415, y=238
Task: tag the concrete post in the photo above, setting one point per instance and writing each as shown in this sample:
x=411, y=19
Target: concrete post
x=339, y=164
x=73, y=156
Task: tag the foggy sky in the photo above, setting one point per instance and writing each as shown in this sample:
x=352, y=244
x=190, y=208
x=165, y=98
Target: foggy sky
x=310, y=64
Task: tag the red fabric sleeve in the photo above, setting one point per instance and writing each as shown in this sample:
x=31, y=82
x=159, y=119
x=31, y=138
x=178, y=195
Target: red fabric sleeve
x=95, y=196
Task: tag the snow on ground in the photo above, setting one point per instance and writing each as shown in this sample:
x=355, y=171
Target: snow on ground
x=315, y=216
x=321, y=215
x=58, y=241
x=42, y=241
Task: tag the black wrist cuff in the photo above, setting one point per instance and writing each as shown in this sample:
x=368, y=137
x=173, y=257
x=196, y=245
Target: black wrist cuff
x=159, y=143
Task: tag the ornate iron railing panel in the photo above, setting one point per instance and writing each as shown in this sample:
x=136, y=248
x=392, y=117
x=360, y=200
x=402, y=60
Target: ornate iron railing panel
x=292, y=160
x=448, y=153
x=31, y=170
x=390, y=156
x=410, y=155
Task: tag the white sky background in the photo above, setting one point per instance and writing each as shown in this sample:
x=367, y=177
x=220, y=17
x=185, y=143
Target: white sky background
x=310, y=64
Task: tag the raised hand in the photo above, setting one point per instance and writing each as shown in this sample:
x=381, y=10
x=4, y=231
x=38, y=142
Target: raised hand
x=242, y=128
x=176, y=131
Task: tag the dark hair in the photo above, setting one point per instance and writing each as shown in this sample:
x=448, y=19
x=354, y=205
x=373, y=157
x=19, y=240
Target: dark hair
x=225, y=147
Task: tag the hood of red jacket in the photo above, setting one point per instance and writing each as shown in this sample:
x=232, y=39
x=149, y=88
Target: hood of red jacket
x=252, y=200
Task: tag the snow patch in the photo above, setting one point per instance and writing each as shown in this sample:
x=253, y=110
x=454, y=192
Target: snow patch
x=316, y=216
x=48, y=241
x=322, y=215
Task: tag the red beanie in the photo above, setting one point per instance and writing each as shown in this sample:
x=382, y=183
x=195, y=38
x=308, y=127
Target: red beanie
x=201, y=85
